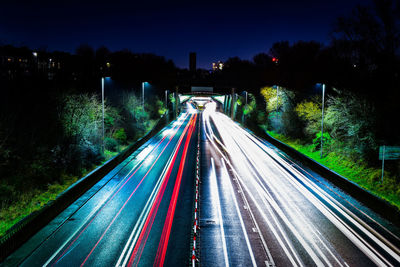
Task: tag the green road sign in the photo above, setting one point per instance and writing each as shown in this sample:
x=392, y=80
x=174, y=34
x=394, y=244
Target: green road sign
x=389, y=152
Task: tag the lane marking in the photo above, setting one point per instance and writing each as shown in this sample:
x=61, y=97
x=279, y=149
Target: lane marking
x=159, y=261
x=87, y=218
x=253, y=261
x=139, y=224
x=221, y=222
x=123, y=206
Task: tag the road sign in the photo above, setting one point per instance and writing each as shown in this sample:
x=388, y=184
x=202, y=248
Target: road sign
x=389, y=152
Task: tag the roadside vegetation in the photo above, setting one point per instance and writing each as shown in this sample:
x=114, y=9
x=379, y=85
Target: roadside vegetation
x=39, y=164
x=350, y=140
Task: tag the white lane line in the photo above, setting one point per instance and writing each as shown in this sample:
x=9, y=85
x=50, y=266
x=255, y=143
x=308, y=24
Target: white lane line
x=226, y=177
x=362, y=244
x=145, y=212
x=262, y=170
x=142, y=218
x=221, y=222
x=272, y=228
x=383, y=242
x=266, y=219
x=87, y=218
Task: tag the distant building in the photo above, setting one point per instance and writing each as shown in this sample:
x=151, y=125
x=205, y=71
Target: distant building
x=217, y=66
x=192, y=62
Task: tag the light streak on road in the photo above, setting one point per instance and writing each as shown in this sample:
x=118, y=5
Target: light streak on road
x=162, y=248
x=214, y=186
x=122, y=192
x=289, y=203
x=90, y=218
x=125, y=203
x=228, y=182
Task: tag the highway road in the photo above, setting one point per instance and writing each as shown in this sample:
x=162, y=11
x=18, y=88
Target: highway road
x=258, y=207
x=261, y=208
x=138, y=215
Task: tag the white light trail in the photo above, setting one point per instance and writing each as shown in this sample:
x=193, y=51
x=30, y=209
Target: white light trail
x=225, y=177
x=214, y=186
x=282, y=190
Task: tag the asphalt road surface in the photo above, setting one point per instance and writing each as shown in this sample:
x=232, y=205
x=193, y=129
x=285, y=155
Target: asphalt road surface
x=138, y=215
x=259, y=207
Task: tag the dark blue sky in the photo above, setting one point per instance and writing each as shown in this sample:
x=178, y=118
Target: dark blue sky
x=216, y=30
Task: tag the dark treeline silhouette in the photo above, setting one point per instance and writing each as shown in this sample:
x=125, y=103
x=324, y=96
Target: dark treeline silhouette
x=51, y=116
x=363, y=57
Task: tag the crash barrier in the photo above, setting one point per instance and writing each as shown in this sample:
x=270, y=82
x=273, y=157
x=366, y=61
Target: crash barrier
x=373, y=202
x=31, y=224
x=196, y=228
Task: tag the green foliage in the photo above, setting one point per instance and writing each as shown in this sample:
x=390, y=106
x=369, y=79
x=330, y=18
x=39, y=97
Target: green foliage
x=110, y=144
x=28, y=201
x=327, y=140
x=81, y=118
x=120, y=135
x=160, y=107
x=310, y=114
x=251, y=105
x=355, y=170
x=352, y=120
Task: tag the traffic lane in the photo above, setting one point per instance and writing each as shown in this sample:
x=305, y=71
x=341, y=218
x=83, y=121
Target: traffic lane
x=378, y=249
x=297, y=233
x=211, y=245
x=224, y=238
x=277, y=202
x=98, y=191
x=46, y=249
x=178, y=252
x=240, y=162
x=156, y=235
x=383, y=226
x=131, y=198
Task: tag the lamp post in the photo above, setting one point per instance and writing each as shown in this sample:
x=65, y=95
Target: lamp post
x=245, y=106
x=102, y=103
x=143, y=83
x=322, y=120
x=166, y=99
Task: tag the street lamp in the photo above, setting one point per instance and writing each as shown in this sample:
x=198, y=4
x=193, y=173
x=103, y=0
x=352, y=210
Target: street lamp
x=102, y=103
x=245, y=106
x=322, y=120
x=143, y=84
x=166, y=99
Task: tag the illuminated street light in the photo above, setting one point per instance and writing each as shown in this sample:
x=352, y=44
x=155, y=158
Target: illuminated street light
x=143, y=84
x=166, y=99
x=322, y=120
x=102, y=103
x=245, y=106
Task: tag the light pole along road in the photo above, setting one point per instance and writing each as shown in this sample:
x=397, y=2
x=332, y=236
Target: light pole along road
x=139, y=214
x=259, y=207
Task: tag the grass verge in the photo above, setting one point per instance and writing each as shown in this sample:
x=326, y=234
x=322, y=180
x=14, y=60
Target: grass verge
x=357, y=171
x=34, y=200
x=31, y=201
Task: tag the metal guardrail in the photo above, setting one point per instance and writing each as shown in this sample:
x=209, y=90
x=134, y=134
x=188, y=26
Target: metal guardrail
x=31, y=224
x=378, y=205
x=375, y=203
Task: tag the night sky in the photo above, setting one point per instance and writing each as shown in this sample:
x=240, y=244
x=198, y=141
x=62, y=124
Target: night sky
x=216, y=30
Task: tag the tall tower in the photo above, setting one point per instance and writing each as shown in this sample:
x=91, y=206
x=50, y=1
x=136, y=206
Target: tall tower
x=192, y=62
